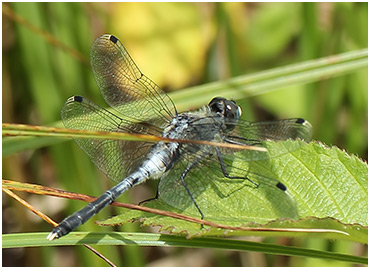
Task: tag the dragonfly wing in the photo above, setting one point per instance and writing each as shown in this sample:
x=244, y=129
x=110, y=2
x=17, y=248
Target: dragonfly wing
x=257, y=133
x=206, y=181
x=115, y=158
x=279, y=130
x=124, y=87
x=198, y=180
x=216, y=195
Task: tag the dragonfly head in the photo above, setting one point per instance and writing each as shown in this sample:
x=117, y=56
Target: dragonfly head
x=228, y=109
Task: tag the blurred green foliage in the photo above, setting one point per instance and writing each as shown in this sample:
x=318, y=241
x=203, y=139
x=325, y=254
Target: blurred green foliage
x=177, y=45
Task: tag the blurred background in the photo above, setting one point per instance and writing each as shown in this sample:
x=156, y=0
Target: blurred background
x=178, y=45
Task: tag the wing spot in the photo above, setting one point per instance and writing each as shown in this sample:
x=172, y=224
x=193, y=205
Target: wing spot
x=113, y=39
x=78, y=98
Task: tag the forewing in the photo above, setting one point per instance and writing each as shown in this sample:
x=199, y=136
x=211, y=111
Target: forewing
x=124, y=87
x=115, y=158
x=279, y=130
x=256, y=133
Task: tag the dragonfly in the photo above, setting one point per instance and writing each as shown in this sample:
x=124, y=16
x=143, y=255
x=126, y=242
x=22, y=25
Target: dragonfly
x=139, y=106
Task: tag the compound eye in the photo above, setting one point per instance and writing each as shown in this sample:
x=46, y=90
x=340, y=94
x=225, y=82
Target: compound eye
x=233, y=111
x=217, y=105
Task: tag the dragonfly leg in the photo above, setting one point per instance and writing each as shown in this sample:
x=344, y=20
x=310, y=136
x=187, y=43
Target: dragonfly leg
x=226, y=173
x=279, y=185
x=150, y=199
x=245, y=141
x=182, y=178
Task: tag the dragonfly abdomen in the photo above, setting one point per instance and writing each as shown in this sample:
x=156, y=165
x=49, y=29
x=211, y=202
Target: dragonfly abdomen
x=80, y=217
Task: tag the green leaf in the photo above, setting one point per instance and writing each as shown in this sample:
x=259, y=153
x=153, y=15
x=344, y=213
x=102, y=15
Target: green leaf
x=327, y=189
